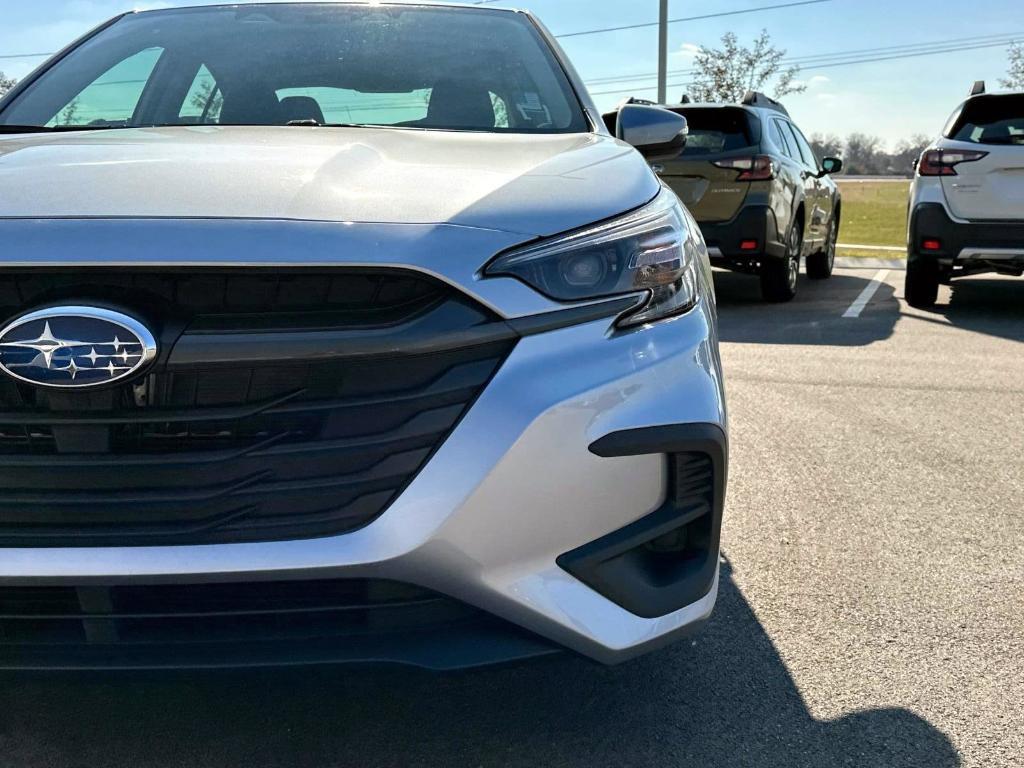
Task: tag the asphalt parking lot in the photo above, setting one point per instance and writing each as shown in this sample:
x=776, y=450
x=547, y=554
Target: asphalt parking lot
x=871, y=611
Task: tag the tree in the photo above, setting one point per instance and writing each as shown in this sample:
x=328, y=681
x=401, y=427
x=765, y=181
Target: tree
x=726, y=74
x=826, y=146
x=864, y=156
x=209, y=100
x=68, y=114
x=907, y=152
x=1014, y=79
x=6, y=83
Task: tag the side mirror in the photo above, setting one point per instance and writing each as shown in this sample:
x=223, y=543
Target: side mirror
x=659, y=134
x=831, y=165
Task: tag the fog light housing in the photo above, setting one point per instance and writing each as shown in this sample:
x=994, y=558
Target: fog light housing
x=668, y=559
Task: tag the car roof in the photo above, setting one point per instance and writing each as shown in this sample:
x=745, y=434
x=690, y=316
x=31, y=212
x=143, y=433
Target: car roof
x=367, y=3
x=710, y=105
x=992, y=95
x=757, y=102
x=762, y=112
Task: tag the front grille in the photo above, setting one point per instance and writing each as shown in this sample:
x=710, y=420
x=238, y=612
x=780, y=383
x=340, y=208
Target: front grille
x=242, y=624
x=282, y=405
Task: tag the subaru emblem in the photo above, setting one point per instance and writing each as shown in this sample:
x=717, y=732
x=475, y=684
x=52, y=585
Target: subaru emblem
x=75, y=347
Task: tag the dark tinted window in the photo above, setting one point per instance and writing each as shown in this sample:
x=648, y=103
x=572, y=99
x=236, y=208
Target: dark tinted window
x=990, y=119
x=782, y=139
x=415, y=66
x=716, y=130
x=801, y=143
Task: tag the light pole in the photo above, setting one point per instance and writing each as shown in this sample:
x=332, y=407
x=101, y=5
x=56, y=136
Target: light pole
x=663, y=53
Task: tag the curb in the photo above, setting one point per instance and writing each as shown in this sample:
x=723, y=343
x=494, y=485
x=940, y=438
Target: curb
x=853, y=262
x=859, y=247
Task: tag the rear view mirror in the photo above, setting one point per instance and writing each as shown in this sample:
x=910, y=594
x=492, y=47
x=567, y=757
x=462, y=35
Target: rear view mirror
x=659, y=134
x=831, y=165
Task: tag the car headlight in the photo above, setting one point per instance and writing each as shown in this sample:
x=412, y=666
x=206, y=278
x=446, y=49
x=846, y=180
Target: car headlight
x=649, y=249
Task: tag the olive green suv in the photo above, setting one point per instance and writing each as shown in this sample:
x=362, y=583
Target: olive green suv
x=761, y=197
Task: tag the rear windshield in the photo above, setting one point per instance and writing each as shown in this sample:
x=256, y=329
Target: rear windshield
x=989, y=119
x=263, y=64
x=713, y=131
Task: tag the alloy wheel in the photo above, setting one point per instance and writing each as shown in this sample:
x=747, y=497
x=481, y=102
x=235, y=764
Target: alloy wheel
x=794, y=258
x=830, y=250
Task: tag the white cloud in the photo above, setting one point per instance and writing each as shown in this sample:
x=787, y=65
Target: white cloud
x=686, y=51
x=812, y=83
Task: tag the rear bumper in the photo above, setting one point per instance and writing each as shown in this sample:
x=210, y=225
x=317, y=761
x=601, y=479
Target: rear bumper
x=751, y=223
x=968, y=246
x=485, y=522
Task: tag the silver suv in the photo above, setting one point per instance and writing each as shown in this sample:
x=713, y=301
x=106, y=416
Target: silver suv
x=346, y=333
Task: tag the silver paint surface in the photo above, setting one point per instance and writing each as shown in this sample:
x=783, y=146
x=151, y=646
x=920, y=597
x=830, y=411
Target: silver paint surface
x=528, y=184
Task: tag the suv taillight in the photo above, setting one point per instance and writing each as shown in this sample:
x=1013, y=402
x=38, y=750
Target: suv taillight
x=943, y=162
x=756, y=168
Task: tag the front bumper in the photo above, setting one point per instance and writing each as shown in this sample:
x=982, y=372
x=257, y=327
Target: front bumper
x=514, y=488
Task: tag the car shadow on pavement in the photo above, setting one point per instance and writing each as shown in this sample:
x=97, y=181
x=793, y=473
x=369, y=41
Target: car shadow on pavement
x=992, y=307
x=722, y=698
x=814, y=317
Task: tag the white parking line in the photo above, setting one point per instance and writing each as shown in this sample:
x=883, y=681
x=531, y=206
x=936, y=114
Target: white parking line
x=865, y=296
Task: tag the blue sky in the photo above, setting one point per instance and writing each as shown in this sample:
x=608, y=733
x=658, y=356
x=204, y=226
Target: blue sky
x=891, y=99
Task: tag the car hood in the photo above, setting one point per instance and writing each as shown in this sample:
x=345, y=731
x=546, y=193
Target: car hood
x=535, y=185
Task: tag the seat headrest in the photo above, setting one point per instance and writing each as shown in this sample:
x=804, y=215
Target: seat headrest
x=459, y=104
x=301, y=108
x=251, y=107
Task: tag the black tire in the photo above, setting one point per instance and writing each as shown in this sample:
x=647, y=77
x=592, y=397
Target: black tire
x=922, y=283
x=821, y=264
x=779, y=276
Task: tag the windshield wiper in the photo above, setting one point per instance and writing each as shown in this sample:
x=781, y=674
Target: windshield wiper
x=312, y=123
x=359, y=125
x=56, y=128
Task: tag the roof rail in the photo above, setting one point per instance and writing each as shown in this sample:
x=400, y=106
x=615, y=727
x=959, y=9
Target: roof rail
x=978, y=88
x=758, y=99
x=636, y=100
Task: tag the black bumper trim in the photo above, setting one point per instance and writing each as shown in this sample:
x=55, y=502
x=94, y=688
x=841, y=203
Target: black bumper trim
x=931, y=220
x=755, y=222
x=156, y=625
x=439, y=651
x=618, y=567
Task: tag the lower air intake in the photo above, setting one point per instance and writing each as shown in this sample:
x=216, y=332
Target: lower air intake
x=249, y=624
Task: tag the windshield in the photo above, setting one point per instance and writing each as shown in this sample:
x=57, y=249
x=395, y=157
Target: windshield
x=416, y=67
x=993, y=119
